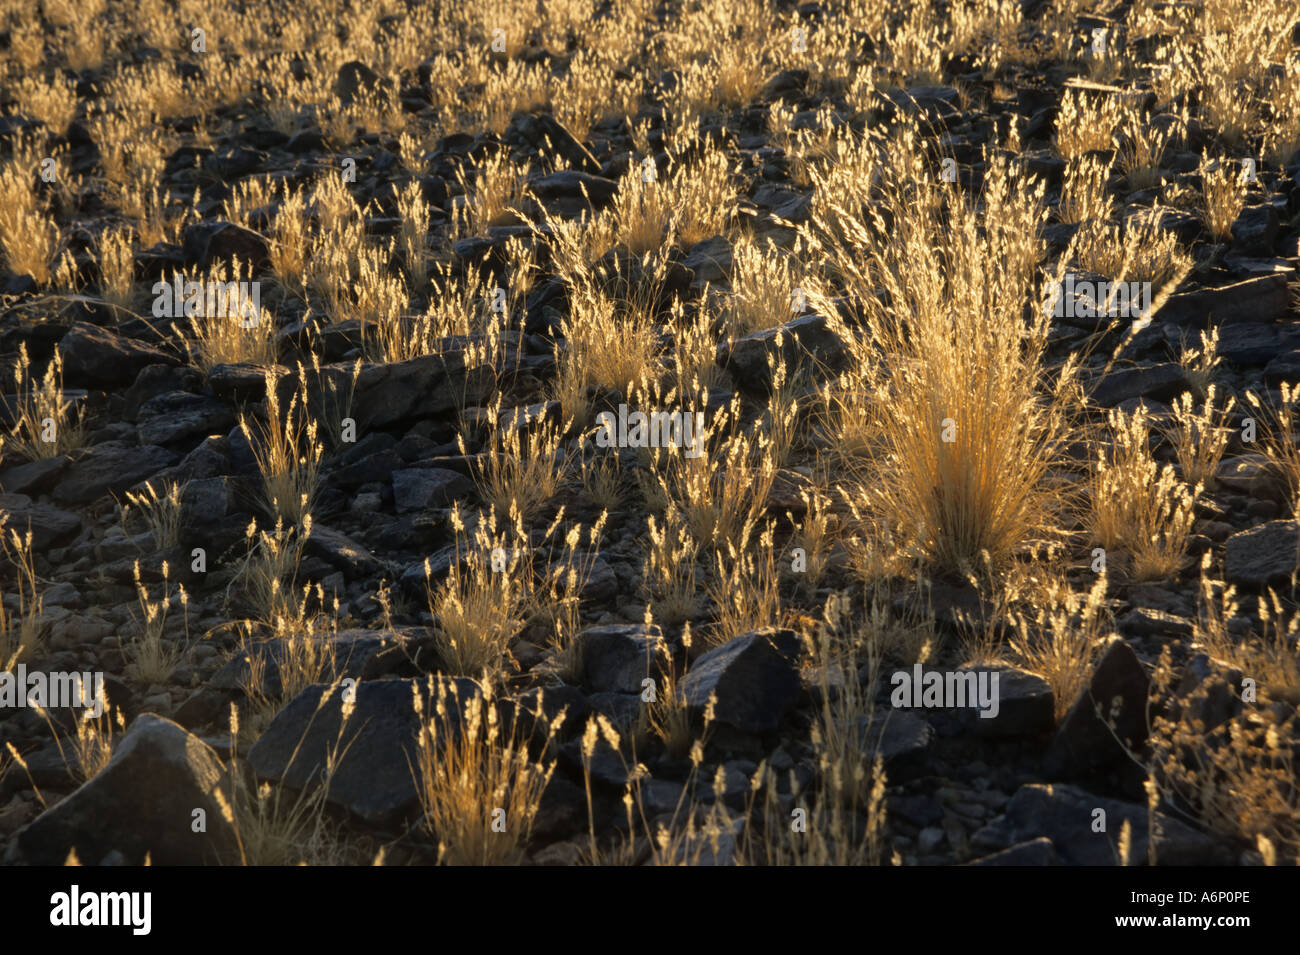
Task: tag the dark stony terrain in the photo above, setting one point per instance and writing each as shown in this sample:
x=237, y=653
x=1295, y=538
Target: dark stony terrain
x=322, y=672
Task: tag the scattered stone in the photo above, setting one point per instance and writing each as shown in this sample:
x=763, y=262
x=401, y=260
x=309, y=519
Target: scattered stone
x=373, y=751
x=1065, y=814
x=96, y=357
x=144, y=802
x=1262, y=556
x=419, y=489
x=618, y=657
x=110, y=468
x=1087, y=743
x=754, y=677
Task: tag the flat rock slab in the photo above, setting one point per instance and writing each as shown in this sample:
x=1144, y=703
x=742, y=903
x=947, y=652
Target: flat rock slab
x=142, y=802
x=374, y=751
x=1064, y=814
x=1159, y=382
x=360, y=654
x=48, y=525
x=111, y=468
x=417, y=489
x=754, y=677
x=94, y=356
x=1262, y=556
x=617, y=657
x=1264, y=299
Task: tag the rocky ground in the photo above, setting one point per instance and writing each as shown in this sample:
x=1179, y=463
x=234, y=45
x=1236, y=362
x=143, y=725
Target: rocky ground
x=1022, y=788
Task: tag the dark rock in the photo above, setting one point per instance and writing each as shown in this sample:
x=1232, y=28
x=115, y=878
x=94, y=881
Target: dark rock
x=1159, y=382
x=373, y=751
x=418, y=489
x=754, y=677
x=142, y=803
x=1065, y=815
x=34, y=477
x=207, y=243
x=571, y=184
x=156, y=380
x=377, y=468
x=1283, y=368
x=49, y=526
x=1254, y=344
x=710, y=261
x=1256, y=229
x=621, y=709
x=1035, y=852
x=359, y=654
x=808, y=341
x=1144, y=622
x=617, y=657
x=110, y=468
x=355, y=80
x=206, y=501
x=1264, y=299
x=385, y=394
x=1026, y=704
x=896, y=736
x=242, y=381
x=96, y=357
x=1086, y=743
x=179, y=415
x=1262, y=556
x=787, y=81
x=343, y=553
x=547, y=135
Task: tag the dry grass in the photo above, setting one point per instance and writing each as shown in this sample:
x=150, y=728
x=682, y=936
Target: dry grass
x=668, y=570
x=483, y=602
x=1138, y=505
x=1085, y=197
x=1276, y=427
x=268, y=577
x=478, y=785
x=1222, y=196
x=20, y=631
x=608, y=345
x=969, y=432
x=277, y=827
x=938, y=444
x=160, y=512
x=1200, y=438
x=153, y=653
x=1086, y=123
x=1238, y=777
x=46, y=423
x=492, y=196
x=1060, y=643
x=288, y=453
x=842, y=820
x=763, y=288
x=524, y=467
